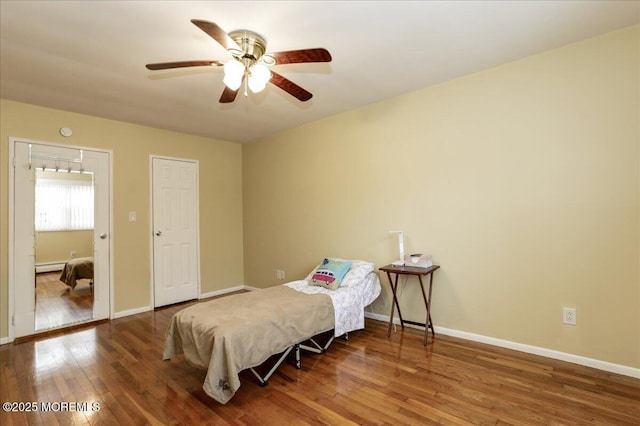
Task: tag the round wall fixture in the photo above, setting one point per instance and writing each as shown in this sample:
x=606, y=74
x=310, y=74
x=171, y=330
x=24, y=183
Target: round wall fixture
x=66, y=132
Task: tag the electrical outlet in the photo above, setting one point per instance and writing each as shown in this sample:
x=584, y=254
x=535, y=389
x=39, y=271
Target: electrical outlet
x=279, y=274
x=569, y=316
x=73, y=253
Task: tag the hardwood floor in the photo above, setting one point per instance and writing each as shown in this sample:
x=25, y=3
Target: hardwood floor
x=57, y=305
x=371, y=379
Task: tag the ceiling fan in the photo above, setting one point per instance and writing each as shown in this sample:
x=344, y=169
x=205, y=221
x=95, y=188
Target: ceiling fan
x=250, y=63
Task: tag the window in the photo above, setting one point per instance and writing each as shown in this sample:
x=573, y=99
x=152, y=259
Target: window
x=64, y=204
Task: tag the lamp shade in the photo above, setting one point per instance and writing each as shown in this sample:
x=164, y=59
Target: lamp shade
x=233, y=72
x=259, y=76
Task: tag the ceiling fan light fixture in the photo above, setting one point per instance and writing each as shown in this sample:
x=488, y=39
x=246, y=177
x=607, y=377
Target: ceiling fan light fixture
x=233, y=73
x=268, y=59
x=259, y=76
x=249, y=62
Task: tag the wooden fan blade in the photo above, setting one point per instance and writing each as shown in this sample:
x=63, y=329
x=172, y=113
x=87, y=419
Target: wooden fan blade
x=300, y=56
x=290, y=87
x=216, y=33
x=181, y=64
x=228, y=95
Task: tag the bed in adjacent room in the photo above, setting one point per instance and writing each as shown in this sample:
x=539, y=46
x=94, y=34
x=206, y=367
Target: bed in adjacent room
x=77, y=269
x=241, y=331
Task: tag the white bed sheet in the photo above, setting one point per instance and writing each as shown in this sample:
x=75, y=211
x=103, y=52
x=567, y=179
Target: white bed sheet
x=348, y=302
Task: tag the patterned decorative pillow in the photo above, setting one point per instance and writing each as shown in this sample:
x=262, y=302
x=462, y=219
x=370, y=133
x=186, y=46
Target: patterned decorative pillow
x=356, y=275
x=329, y=274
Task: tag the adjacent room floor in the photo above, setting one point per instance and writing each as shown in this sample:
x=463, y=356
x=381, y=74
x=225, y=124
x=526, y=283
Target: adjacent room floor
x=57, y=305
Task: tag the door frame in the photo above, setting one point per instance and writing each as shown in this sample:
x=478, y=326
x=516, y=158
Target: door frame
x=12, y=210
x=152, y=299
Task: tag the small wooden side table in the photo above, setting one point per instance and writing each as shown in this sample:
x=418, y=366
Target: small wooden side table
x=419, y=272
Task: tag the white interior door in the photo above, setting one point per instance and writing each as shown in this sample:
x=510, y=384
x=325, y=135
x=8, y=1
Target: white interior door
x=175, y=230
x=22, y=286
x=23, y=283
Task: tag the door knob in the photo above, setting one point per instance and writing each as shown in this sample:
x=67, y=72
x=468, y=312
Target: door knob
x=158, y=233
x=103, y=236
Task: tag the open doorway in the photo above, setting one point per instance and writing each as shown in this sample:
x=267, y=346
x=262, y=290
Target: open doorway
x=64, y=231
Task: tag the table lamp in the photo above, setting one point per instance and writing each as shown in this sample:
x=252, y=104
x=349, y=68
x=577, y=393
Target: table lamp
x=400, y=247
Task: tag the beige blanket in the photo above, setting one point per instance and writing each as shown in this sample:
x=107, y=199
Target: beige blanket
x=232, y=333
x=77, y=269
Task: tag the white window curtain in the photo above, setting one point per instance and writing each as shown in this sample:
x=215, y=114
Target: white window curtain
x=63, y=205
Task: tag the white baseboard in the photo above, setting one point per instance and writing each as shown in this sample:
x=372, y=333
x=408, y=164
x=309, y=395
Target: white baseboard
x=4, y=340
x=220, y=292
x=135, y=311
x=250, y=288
x=129, y=312
x=49, y=267
x=548, y=353
x=226, y=291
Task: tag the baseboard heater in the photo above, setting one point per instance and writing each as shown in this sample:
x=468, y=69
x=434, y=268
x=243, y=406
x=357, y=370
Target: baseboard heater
x=49, y=267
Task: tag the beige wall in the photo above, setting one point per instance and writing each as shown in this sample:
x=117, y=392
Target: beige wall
x=56, y=246
x=522, y=181
x=220, y=195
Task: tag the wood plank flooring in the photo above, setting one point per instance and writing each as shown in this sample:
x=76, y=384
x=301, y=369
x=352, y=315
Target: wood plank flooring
x=57, y=305
x=368, y=380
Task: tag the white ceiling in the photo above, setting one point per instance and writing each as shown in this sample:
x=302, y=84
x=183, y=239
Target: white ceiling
x=89, y=56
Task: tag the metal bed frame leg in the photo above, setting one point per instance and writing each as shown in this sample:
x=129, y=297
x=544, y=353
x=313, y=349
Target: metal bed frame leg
x=318, y=348
x=264, y=380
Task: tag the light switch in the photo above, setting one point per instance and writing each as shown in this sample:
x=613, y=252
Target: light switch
x=132, y=216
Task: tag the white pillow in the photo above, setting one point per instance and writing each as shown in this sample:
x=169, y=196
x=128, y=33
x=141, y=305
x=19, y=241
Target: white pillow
x=356, y=275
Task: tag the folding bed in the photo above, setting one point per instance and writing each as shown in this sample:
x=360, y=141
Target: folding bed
x=241, y=331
